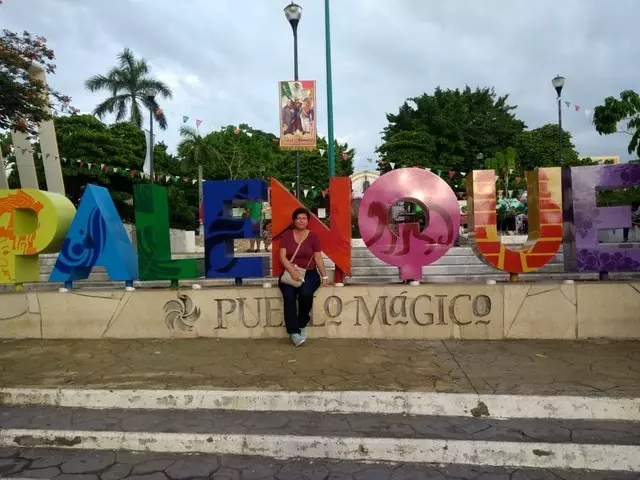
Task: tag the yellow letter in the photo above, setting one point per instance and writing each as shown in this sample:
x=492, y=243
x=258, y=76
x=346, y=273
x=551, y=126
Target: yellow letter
x=31, y=222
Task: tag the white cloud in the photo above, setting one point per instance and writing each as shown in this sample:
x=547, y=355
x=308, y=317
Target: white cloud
x=224, y=62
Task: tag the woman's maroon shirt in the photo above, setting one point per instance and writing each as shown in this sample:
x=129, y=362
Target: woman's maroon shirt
x=309, y=246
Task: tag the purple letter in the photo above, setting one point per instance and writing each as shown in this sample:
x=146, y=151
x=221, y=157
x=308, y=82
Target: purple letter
x=582, y=252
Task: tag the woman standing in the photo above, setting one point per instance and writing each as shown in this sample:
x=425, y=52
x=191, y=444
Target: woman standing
x=301, y=256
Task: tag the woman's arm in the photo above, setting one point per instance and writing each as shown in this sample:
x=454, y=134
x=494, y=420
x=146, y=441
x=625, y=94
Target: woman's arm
x=287, y=265
x=320, y=263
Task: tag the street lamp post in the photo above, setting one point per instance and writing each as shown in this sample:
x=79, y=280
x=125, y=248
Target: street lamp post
x=293, y=12
x=558, y=83
x=151, y=98
x=327, y=35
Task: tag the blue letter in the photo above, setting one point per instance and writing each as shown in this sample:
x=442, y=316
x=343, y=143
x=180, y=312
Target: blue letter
x=96, y=238
x=220, y=228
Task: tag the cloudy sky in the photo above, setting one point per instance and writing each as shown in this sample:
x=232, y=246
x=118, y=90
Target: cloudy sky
x=223, y=59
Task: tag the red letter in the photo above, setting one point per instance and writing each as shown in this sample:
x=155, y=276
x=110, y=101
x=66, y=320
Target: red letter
x=336, y=242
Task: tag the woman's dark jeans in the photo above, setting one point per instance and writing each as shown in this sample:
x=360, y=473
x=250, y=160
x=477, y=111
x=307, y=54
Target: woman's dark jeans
x=298, y=301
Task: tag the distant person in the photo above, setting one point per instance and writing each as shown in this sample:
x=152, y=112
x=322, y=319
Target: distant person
x=635, y=221
x=254, y=212
x=266, y=235
x=301, y=256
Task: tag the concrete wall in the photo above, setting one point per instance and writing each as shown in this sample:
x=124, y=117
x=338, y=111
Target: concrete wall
x=465, y=311
x=182, y=241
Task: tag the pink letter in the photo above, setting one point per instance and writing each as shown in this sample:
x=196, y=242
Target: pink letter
x=411, y=249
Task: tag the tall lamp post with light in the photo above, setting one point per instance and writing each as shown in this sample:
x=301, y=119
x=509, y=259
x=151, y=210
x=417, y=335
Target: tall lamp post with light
x=558, y=83
x=293, y=12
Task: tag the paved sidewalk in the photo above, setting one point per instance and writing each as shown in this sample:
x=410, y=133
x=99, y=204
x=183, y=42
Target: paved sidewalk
x=609, y=369
x=41, y=463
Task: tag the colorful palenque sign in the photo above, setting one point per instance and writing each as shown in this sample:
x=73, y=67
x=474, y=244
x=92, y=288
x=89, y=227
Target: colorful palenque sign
x=545, y=221
x=298, y=115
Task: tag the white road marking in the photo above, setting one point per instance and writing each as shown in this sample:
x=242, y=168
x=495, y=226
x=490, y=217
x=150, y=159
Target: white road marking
x=404, y=450
x=408, y=403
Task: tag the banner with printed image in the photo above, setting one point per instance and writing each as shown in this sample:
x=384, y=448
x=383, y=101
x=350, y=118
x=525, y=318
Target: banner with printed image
x=298, y=115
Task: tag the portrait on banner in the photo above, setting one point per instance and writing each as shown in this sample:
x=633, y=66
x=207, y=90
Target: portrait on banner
x=297, y=115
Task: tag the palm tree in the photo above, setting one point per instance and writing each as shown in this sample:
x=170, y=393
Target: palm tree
x=129, y=85
x=195, y=150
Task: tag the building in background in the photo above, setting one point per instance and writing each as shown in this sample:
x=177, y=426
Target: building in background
x=361, y=181
x=605, y=159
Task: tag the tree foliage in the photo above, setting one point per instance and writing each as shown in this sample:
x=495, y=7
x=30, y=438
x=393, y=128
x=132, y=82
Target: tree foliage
x=620, y=116
x=540, y=147
x=129, y=85
x=447, y=130
x=230, y=153
x=25, y=100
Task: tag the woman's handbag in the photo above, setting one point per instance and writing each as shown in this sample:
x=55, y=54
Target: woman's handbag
x=286, y=277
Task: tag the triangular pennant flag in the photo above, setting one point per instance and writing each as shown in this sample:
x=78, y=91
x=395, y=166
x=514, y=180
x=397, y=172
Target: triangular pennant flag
x=167, y=178
x=393, y=165
x=89, y=165
x=587, y=112
x=40, y=155
x=518, y=179
x=439, y=172
x=510, y=193
x=198, y=123
x=176, y=178
x=321, y=152
x=102, y=166
x=427, y=169
x=497, y=177
x=185, y=119
x=510, y=171
x=451, y=173
x=577, y=107
x=306, y=192
x=115, y=169
x=194, y=181
x=463, y=174
x=185, y=180
x=568, y=104
x=64, y=160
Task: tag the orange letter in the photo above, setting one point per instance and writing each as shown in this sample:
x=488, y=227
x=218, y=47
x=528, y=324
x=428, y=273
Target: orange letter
x=336, y=242
x=544, y=189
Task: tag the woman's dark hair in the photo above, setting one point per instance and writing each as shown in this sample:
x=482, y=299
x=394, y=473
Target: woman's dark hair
x=300, y=211
x=296, y=212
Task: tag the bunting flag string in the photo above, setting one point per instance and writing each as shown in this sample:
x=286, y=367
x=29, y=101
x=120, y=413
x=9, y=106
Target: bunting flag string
x=450, y=174
x=133, y=173
x=576, y=108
